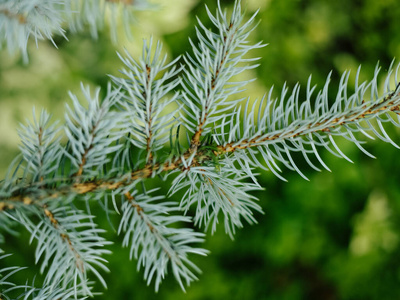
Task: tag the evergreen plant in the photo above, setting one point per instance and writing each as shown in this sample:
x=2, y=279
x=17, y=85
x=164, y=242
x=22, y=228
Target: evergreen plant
x=181, y=122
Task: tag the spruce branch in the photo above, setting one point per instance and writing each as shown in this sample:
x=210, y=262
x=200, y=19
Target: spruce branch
x=118, y=143
x=21, y=19
x=69, y=245
x=5, y=273
x=145, y=98
x=147, y=222
x=217, y=58
x=91, y=132
x=42, y=19
x=29, y=291
x=40, y=146
x=287, y=125
x=216, y=191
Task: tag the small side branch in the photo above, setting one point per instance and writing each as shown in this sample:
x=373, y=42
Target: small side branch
x=65, y=238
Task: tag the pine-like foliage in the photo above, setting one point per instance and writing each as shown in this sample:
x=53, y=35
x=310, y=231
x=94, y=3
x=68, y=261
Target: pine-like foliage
x=42, y=19
x=182, y=122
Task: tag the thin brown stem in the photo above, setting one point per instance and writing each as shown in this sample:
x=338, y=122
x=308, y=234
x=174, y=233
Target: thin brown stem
x=149, y=119
x=139, y=209
x=65, y=237
x=202, y=155
x=195, y=141
x=388, y=104
x=85, y=154
x=20, y=17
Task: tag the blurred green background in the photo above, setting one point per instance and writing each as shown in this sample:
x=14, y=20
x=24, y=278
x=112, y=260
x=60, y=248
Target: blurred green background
x=334, y=237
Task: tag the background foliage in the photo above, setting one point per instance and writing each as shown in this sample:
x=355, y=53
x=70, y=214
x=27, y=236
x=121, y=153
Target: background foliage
x=335, y=237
